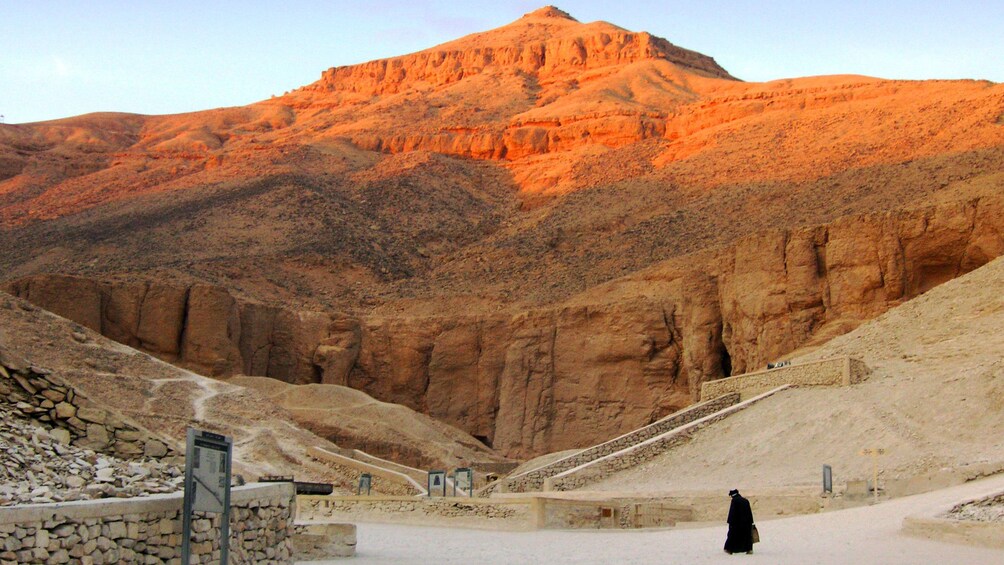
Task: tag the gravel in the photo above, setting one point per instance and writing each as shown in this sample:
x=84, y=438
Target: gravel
x=35, y=467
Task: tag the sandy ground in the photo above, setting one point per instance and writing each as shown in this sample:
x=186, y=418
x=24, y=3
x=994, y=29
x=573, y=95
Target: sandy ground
x=934, y=401
x=868, y=534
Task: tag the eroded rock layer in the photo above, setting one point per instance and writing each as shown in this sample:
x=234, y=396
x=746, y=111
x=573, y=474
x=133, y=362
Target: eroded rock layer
x=602, y=363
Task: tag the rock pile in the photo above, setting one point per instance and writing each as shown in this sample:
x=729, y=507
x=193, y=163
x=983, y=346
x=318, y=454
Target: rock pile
x=36, y=466
x=990, y=509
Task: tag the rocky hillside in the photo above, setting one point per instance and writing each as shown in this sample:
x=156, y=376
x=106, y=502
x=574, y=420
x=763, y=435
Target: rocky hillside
x=604, y=362
x=544, y=267
x=934, y=401
x=123, y=385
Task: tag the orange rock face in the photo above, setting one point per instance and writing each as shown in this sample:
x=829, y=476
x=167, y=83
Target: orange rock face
x=546, y=234
x=591, y=368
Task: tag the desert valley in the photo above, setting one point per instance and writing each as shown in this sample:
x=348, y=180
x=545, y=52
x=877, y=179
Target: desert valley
x=558, y=254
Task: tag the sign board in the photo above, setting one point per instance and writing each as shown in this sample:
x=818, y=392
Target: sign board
x=875, y=452
x=207, y=485
x=463, y=481
x=365, y=481
x=437, y=483
x=827, y=478
x=210, y=472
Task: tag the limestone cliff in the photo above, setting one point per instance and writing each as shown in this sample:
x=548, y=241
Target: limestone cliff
x=602, y=363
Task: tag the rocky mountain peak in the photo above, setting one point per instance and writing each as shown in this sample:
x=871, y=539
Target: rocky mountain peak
x=550, y=12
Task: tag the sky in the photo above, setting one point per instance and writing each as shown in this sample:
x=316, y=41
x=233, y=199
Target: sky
x=65, y=58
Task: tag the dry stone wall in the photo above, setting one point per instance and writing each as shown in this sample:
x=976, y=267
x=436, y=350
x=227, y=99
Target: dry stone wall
x=637, y=454
x=514, y=513
x=148, y=530
x=534, y=480
x=841, y=371
x=43, y=396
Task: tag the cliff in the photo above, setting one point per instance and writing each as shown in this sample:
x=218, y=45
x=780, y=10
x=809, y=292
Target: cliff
x=604, y=362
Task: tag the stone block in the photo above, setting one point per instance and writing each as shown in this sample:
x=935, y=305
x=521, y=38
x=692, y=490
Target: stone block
x=154, y=448
x=61, y=435
x=65, y=410
x=53, y=395
x=94, y=415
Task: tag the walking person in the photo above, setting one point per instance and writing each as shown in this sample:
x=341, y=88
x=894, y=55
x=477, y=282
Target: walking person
x=740, y=538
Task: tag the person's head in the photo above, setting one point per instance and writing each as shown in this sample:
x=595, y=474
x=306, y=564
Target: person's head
x=733, y=493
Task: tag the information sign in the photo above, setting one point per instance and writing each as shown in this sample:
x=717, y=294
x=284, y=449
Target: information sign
x=365, y=480
x=437, y=483
x=207, y=486
x=463, y=479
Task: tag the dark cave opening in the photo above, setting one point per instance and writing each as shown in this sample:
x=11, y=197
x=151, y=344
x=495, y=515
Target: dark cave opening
x=726, y=362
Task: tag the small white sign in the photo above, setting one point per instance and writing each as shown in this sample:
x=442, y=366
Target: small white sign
x=209, y=474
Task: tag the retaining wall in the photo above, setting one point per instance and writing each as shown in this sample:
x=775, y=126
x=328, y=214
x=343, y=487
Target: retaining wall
x=603, y=467
x=838, y=371
x=512, y=514
x=533, y=480
x=41, y=395
x=148, y=530
x=390, y=481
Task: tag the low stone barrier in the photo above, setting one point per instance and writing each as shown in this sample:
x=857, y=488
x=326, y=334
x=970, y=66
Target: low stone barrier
x=838, y=371
x=324, y=541
x=513, y=514
x=148, y=530
x=533, y=480
x=639, y=453
x=617, y=513
x=43, y=396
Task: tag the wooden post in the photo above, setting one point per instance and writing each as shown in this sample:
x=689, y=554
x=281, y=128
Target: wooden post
x=874, y=452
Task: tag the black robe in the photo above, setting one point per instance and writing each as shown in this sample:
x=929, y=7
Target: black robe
x=740, y=539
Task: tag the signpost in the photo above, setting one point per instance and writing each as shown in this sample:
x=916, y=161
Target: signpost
x=875, y=452
x=463, y=480
x=437, y=480
x=365, y=480
x=827, y=479
x=207, y=486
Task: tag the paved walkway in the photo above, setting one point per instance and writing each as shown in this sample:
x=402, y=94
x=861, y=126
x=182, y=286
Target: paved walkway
x=860, y=535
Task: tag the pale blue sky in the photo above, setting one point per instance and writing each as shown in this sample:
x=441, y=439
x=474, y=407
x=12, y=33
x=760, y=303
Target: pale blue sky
x=63, y=58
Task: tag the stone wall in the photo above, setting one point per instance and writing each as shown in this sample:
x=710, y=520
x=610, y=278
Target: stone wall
x=838, y=371
x=148, y=530
x=637, y=454
x=504, y=514
x=534, y=480
x=616, y=513
x=43, y=396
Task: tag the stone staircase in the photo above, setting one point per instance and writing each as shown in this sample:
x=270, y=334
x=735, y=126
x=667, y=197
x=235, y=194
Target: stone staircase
x=638, y=453
x=533, y=480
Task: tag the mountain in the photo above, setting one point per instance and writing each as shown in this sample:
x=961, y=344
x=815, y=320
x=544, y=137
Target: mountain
x=545, y=234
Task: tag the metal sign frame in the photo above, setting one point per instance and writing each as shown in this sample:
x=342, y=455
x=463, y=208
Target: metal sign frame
x=217, y=451
x=433, y=475
x=469, y=481
x=365, y=483
x=827, y=479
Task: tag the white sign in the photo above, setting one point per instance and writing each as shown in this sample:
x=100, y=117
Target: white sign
x=207, y=486
x=209, y=475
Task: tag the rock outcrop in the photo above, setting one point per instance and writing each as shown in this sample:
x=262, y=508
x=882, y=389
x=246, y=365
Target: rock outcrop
x=605, y=362
x=543, y=43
